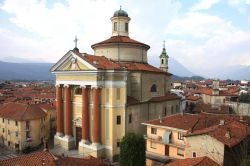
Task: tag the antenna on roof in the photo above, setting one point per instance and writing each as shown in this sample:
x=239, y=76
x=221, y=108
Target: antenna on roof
x=120, y=7
x=163, y=43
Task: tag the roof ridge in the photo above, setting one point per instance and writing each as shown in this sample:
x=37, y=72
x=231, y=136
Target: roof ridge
x=21, y=117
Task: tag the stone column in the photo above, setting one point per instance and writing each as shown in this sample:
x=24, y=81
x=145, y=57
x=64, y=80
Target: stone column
x=59, y=111
x=96, y=116
x=85, y=115
x=68, y=113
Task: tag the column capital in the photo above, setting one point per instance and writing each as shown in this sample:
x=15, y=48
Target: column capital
x=96, y=87
x=66, y=85
x=83, y=86
x=57, y=85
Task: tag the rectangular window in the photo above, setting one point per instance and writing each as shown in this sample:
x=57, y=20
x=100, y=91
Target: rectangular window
x=118, y=93
x=118, y=142
x=180, y=136
x=130, y=118
x=107, y=95
x=194, y=154
x=118, y=119
x=8, y=132
x=115, y=26
x=8, y=121
x=177, y=108
x=180, y=152
x=165, y=111
x=3, y=120
x=153, y=130
x=153, y=145
x=126, y=27
x=16, y=123
x=16, y=134
x=27, y=125
x=3, y=130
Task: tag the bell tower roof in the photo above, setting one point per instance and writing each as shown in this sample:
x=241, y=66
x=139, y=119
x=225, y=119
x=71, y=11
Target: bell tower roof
x=164, y=52
x=120, y=13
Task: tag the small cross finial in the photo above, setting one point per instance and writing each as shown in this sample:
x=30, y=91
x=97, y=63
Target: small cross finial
x=163, y=43
x=120, y=7
x=75, y=40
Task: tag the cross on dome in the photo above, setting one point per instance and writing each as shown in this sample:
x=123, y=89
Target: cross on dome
x=75, y=40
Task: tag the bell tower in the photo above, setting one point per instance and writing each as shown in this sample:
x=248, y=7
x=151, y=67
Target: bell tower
x=120, y=23
x=164, y=59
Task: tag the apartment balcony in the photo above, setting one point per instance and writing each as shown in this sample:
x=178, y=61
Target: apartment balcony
x=161, y=140
x=157, y=157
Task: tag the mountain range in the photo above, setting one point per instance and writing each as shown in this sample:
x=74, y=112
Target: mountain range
x=12, y=68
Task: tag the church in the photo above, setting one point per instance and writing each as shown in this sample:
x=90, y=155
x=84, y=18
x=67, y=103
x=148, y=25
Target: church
x=101, y=97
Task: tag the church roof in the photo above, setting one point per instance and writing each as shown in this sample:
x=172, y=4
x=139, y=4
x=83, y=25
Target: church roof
x=120, y=13
x=120, y=40
x=101, y=62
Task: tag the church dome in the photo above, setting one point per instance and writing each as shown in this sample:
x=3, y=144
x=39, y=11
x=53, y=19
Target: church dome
x=120, y=13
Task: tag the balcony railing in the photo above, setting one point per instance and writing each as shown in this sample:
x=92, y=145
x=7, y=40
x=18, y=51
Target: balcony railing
x=159, y=139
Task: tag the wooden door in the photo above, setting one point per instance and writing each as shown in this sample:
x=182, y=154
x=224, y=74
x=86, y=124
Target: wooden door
x=166, y=150
x=78, y=136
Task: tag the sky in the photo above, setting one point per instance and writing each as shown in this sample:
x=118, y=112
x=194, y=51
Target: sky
x=204, y=35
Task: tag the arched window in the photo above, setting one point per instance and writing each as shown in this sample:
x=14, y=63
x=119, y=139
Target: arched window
x=162, y=61
x=78, y=91
x=153, y=88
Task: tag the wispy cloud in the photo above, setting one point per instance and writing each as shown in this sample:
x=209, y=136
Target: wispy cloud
x=204, y=5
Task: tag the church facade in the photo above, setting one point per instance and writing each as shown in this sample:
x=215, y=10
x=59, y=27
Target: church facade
x=102, y=97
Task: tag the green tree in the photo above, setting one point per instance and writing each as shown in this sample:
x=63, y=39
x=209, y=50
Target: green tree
x=132, y=150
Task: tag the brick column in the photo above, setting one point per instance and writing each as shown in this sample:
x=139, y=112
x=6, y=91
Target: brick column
x=68, y=113
x=59, y=111
x=85, y=114
x=97, y=116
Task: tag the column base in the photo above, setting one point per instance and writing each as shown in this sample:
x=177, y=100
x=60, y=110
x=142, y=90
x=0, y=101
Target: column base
x=95, y=149
x=67, y=142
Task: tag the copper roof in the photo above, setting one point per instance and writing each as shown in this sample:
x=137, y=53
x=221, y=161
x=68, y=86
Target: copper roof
x=198, y=161
x=120, y=40
x=21, y=112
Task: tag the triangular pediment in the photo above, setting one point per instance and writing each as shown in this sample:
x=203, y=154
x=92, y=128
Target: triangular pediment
x=72, y=62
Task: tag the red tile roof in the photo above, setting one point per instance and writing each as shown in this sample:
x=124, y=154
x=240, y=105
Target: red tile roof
x=88, y=161
x=198, y=161
x=35, y=159
x=230, y=134
x=21, y=112
x=165, y=98
x=101, y=62
x=120, y=40
x=193, y=98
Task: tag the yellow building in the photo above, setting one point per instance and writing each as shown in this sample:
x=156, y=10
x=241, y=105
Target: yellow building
x=102, y=97
x=181, y=136
x=23, y=125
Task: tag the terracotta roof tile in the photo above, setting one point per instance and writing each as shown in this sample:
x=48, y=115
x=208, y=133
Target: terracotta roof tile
x=165, y=97
x=21, y=112
x=121, y=40
x=88, y=161
x=236, y=130
x=198, y=161
x=193, y=98
x=34, y=159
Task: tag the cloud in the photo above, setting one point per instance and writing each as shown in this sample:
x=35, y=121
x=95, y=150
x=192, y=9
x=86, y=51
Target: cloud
x=206, y=43
x=204, y=5
x=247, y=2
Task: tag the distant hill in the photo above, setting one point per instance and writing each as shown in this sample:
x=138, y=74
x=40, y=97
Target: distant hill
x=25, y=71
x=179, y=78
x=41, y=71
x=237, y=72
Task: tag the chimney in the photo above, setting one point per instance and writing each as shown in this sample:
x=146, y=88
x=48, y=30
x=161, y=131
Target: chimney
x=160, y=118
x=222, y=122
x=228, y=134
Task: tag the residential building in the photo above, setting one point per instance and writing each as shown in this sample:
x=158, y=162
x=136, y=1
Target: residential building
x=102, y=97
x=24, y=125
x=181, y=136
